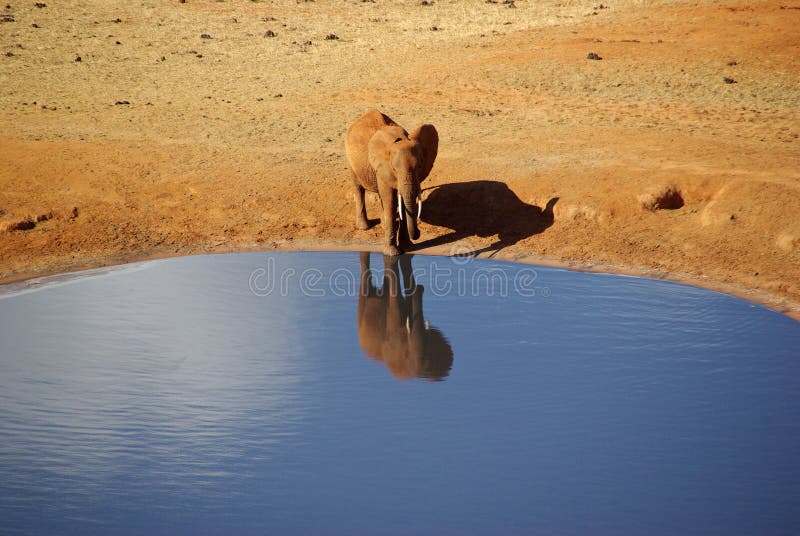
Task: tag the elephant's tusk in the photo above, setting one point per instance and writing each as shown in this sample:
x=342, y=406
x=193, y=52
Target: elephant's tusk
x=408, y=325
x=427, y=324
x=419, y=207
x=400, y=207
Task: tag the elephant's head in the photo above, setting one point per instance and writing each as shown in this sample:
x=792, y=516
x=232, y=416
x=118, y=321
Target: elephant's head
x=404, y=161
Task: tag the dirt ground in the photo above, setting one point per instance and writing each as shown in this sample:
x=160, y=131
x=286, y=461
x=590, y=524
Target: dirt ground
x=134, y=130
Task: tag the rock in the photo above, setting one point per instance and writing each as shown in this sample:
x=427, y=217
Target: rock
x=728, y=80
x=205, y=36
x=270, y=33
x=22, y=225
x=331, y=37
x=593, y=56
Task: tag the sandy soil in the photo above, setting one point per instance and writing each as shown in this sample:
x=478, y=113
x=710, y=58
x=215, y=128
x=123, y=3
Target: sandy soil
x=160, y=141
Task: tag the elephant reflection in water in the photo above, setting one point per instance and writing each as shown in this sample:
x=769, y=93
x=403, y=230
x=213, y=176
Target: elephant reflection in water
x=392, y=328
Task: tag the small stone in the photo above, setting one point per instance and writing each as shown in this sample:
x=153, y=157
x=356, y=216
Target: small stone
x=205, y=36
x=728, y=80
x=77, y=59
x=40, y=5
x=593, y=56
x=121, y=102
x=270, y=33
x=331, y=37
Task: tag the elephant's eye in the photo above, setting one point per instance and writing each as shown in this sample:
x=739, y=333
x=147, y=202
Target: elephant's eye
x=398, y=139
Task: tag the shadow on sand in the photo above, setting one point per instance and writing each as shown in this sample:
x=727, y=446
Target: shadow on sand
x=483, y=208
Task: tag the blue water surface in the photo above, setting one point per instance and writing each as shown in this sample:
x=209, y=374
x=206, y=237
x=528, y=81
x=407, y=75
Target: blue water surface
x=296, y=393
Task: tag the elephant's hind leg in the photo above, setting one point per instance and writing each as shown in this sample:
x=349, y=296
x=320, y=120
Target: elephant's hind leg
x=361, y=209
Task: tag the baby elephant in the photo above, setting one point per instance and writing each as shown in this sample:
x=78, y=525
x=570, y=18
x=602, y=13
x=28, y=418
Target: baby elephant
x=385, y=159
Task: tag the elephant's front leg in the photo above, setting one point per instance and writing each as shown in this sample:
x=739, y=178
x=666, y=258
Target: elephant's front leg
x=388, y=203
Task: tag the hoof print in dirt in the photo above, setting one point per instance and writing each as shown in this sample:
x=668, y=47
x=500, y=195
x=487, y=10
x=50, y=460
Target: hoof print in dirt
x=593, y=56
x=728, y=80
x=331, y=37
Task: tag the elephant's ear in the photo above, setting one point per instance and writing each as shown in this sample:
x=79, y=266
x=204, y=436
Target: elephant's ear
x=428, y=140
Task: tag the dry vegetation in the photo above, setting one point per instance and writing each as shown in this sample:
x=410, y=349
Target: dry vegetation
x=157, y=128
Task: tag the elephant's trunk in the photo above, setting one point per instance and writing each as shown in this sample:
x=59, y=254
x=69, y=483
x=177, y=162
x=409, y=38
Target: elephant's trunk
x=407, y=204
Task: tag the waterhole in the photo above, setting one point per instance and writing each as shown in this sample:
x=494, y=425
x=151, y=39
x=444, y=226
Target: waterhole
x=315, y=393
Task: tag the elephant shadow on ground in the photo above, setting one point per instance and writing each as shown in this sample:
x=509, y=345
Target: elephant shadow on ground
x=392, y=327
x=483, y=209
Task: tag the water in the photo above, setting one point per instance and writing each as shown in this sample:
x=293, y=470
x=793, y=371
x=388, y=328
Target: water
x=240, y=393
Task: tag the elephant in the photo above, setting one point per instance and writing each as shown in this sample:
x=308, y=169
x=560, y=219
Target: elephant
x=386, y=159
x=391, y=325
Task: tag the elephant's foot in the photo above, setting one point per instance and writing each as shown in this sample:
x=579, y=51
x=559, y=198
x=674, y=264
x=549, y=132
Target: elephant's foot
x=362, y=224
x=390, y=250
